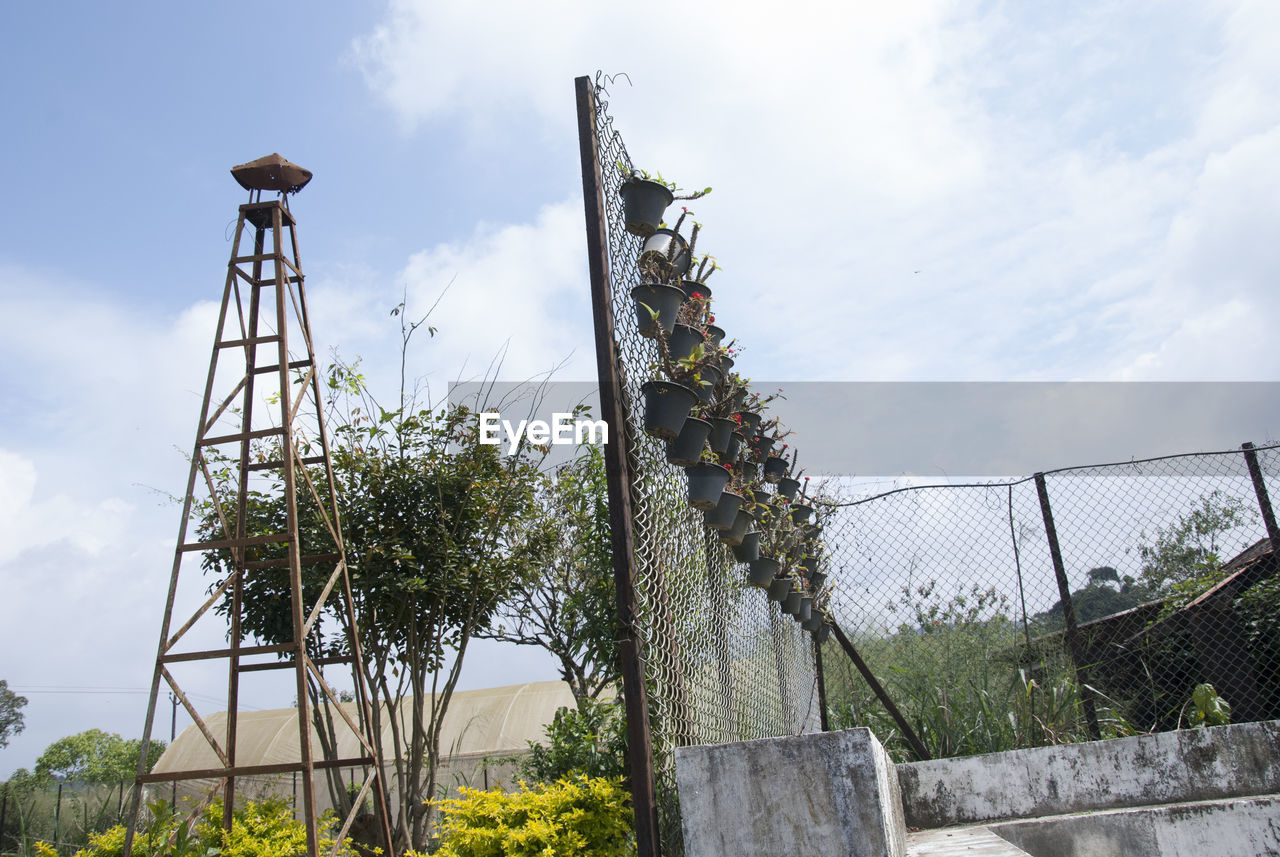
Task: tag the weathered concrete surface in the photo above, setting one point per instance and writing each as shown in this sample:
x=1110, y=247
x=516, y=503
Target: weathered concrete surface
x=1238, y=827
x=822, y=794
x=1168, y=767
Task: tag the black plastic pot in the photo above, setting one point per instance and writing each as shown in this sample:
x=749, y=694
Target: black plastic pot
x=750, y=422
x=748, y=470
x=800, y=514
x=791, y=604
x=739, y=399
x=683, y=340
x=762, y=571
x=779, y=589
x=816, y=579
x=665, y=252
x=748, y=549
x=666, y=407
x=735, y=534
x=788, y=487
x=761, y=446
x=721, y=430
x=774, y=468
x=735, y=445
x=643, y=204
x=689, y=287
x=706, y=484
x=715, y=335
x=806, y=608
x=814, y=622
x=708, y=378
x=657, y=306
x=724, y=514
x=686, y=449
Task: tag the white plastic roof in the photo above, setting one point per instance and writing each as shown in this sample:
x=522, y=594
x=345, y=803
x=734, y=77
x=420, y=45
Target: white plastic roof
x=493, y=722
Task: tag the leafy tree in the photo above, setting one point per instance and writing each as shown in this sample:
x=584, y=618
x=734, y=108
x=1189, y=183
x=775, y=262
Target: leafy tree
x=1189, y=547
x=590, y=740
x=439, y=530
x=568, y=608
x=11, y=720
x=94, y=756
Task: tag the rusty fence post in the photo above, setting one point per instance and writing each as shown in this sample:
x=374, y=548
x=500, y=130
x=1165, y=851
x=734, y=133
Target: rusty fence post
x=617, y=476
x=1260, y=491
x=823, y=720
x=1074, y=647
x=917, y=746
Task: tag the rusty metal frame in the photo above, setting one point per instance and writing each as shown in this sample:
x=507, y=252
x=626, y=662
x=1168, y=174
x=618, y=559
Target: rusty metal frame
x=275, y=300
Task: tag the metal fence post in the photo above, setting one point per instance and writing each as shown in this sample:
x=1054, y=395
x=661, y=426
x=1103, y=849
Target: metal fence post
x=1260, y=491
x=639, y=740
x=822, y=686
x=1074, y=647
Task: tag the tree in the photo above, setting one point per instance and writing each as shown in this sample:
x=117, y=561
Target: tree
x=94, y=756
x=568, y=608
x=438, y=531
x=11, y=720
x=1189, y=547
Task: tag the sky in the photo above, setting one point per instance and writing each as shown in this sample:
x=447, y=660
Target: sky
x=915, y=191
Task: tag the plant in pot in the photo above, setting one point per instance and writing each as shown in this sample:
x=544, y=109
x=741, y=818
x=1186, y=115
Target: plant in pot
x=776, y=465
x=707, y=480
x=686, y=449
x=666, y=407
x=645, y=199
x=665, y=256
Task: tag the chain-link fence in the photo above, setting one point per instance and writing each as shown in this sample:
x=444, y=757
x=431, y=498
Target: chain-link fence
x=720, y=661
x=951, y=593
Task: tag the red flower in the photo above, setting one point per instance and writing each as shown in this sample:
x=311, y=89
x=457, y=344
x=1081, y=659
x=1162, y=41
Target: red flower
x=697, y=296
x=711, y=319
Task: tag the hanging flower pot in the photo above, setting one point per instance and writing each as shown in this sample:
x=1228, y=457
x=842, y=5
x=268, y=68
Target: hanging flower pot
x=690, y=288
x=735, y=445
x=656, y=308
x=748, y=470
x=806, y=608
x=708, y=378
x=715, y=335
x=814, y=622
x=735, y=534
x=816, y=579
x=788, y=487
x=750, y=422
x=824, y=631
x=775, y=468
x=686, y=449
x=739, y=399
x=683, y=340
x=721, y=430
x=666, y=406
x=791, y=604
x=726, y=364
x=665, y=252
x=779, y=589
x=643, y=204
x=706, y=484
x=761, y=446
x=748, y=549
x=762, y=572
x=724, y=514
x=800, y=513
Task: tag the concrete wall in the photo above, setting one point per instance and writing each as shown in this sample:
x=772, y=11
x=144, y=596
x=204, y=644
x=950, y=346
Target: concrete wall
x=830, y=793
x=1167, y=767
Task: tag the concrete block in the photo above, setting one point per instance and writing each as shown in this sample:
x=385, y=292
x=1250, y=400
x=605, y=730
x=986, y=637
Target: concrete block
x=833, y=793
x=1167, y=767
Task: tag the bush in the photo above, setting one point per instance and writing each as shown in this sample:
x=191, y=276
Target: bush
x=591, y=740
x=258, y=829
x=577, y=815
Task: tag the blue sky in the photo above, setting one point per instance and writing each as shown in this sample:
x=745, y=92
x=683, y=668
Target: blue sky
x=939, y=191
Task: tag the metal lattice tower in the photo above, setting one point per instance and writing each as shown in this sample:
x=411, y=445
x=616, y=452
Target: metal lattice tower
x=261, y=437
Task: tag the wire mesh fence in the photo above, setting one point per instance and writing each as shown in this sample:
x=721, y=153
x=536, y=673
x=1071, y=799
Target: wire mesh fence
x=952, y=596
x=720, y=661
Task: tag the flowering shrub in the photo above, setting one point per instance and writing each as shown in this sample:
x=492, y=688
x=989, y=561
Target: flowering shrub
x=258, y=829
x=575, y=815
